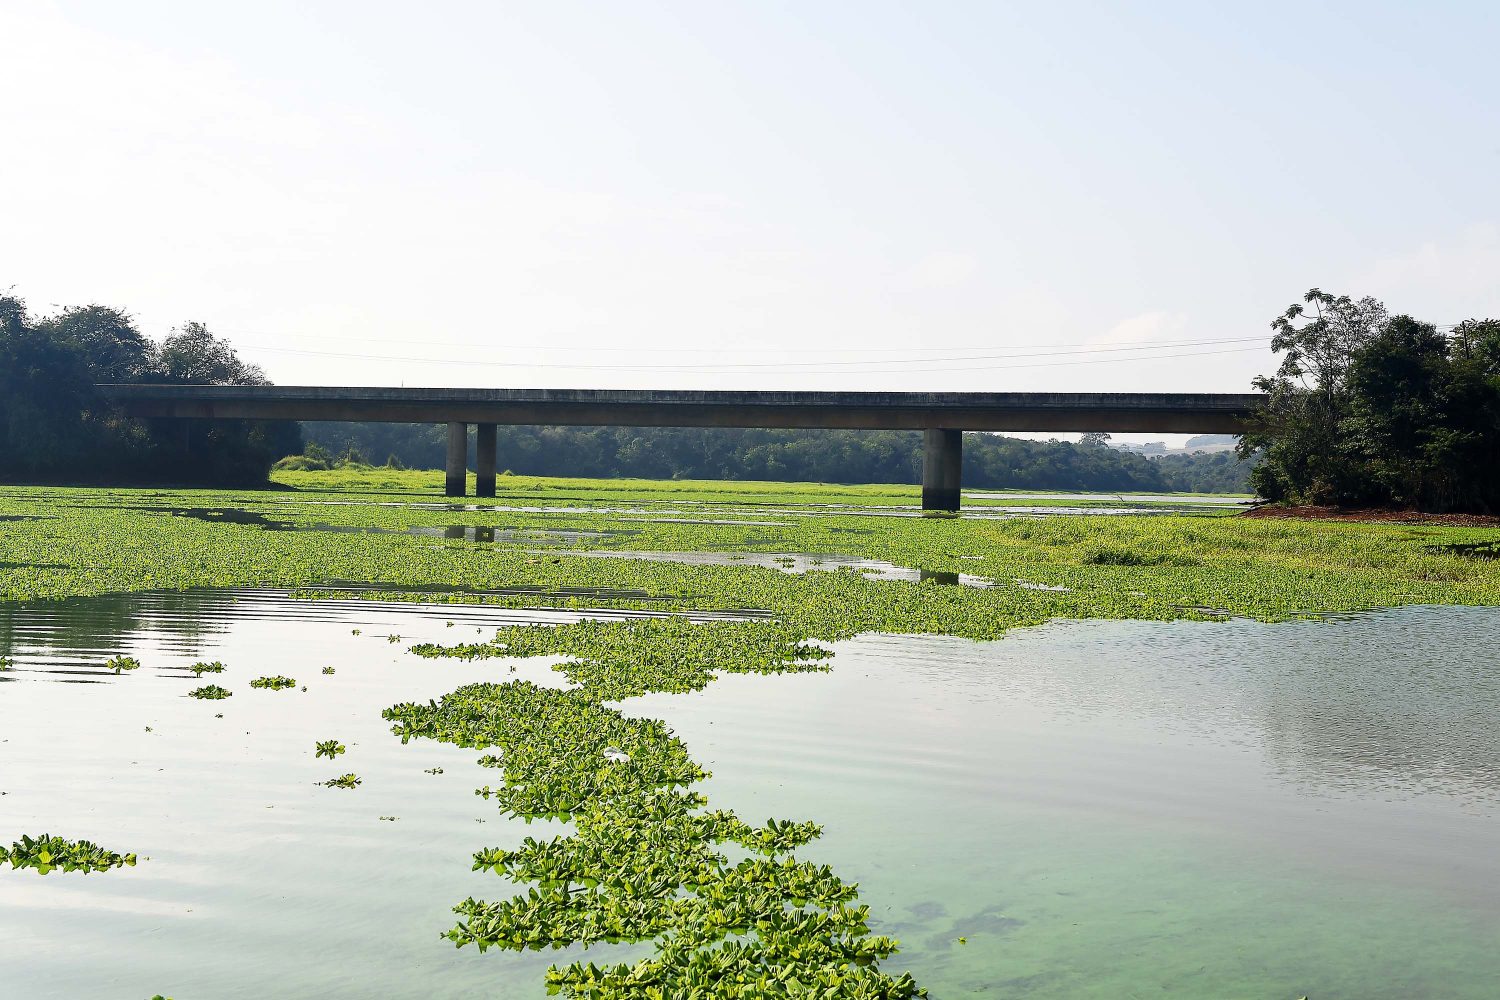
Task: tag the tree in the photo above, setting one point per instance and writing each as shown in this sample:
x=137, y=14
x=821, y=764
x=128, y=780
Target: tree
x=193, y=356
x=1094, y=439
x=1307, y=459
x=105, y=339
x=1370, y=409
x=55, y=424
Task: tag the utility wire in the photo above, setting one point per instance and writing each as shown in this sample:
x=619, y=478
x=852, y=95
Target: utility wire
x=742, y=350
x=712, y=370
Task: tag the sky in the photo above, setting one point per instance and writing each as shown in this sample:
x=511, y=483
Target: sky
x=860, y=195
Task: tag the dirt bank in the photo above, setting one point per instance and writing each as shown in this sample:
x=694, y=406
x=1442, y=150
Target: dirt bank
x=1375, y=514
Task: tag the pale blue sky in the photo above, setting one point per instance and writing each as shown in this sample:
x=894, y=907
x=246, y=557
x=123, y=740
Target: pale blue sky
x=638, y=186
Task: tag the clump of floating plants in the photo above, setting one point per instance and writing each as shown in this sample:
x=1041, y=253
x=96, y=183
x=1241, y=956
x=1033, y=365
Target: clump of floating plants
x=645, y=860
x=342, y=781
x=273, y=683
x=6, y=663
x=210, y=692
x=119, y=664
x=328, y=748
x=46, y=854
x=201, y=668
x=328, y=670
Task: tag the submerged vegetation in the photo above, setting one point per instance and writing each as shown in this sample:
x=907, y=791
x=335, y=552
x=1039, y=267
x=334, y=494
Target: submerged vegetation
x=45, y=854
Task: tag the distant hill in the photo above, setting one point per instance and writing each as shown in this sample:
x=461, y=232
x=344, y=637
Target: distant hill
x=1208, y=443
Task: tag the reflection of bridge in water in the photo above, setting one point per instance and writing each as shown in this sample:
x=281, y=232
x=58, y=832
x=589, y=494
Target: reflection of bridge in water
x=942, y=416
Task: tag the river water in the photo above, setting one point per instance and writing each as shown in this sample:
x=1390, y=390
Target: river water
x=1087, y=809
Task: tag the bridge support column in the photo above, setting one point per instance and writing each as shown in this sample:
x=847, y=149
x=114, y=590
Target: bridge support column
x=458, y=456
x=484, y=464
x=942, y=468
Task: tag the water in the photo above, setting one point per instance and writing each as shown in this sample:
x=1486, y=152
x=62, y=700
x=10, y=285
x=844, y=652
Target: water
x=1100, y=809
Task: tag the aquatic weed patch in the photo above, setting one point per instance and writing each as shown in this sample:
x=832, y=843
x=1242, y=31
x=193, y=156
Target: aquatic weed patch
x=277, y=683
x=46, y=853
x=210, y=692
x=644, y=862
x=647, y=857
x=615, y=660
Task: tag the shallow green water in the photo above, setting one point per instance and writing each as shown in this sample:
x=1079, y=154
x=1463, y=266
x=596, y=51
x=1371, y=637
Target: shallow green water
x=1100, y=809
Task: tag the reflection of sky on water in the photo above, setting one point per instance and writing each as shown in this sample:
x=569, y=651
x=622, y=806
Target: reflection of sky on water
x=1198, y=795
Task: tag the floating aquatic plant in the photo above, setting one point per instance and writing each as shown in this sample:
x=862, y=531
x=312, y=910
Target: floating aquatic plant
x=210, y=692
x=328, y=670
x=120, y=664
x=644, y=862
x=207, y=668
x=273, y=683
x=46, y=854
x=342, y=781
x=328, y=748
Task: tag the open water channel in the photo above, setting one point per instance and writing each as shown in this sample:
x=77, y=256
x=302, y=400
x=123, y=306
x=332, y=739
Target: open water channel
x=1087, y=809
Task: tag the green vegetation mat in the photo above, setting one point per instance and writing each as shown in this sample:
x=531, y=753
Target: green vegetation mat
x=731, y=910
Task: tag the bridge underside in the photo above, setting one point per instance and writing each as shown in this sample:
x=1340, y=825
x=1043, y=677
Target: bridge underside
x=941, y=416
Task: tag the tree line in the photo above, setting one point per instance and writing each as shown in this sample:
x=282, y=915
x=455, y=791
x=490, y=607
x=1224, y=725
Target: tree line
x=1370, y=409
x=841, y=456
x=56, y=426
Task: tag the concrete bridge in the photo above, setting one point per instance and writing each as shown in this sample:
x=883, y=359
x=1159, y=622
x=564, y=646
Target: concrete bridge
x=943, y=416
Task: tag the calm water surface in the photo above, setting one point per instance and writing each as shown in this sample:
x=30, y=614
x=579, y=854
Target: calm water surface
x=1099, y=809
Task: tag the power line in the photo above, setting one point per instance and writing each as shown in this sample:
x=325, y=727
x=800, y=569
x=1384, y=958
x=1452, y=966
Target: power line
x=711, y=369
x=735, y=350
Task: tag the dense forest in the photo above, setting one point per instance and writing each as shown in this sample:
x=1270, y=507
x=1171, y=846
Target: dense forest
x=55, y=426
x=1369, y=409
x=840, y=456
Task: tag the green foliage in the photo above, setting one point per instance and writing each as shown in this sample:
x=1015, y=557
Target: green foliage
x=45, y=854
x=273, y=683
x=54, y=424
x=121, y=663
x=329, y=749
x=211, y=692
x=342, y=781
x=643, y=862
x=201, y=668
x=1373, y=410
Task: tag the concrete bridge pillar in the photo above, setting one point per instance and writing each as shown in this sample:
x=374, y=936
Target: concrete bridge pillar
x=942, y=468
x=458, y=455
x=484, y=465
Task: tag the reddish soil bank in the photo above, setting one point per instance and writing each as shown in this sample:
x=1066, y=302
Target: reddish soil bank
x=1375, y=514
